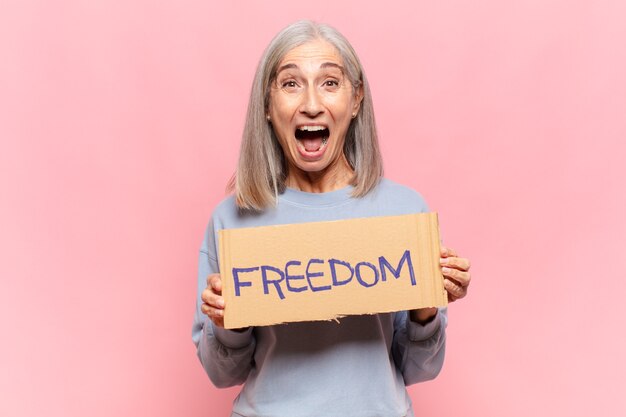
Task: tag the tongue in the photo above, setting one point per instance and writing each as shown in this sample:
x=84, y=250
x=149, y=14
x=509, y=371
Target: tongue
x=312, y=145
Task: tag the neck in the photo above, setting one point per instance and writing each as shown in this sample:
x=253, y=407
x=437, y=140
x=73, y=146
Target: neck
x=332, y=178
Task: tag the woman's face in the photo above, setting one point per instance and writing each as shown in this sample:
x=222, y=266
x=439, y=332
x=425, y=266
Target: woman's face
x=311, y=105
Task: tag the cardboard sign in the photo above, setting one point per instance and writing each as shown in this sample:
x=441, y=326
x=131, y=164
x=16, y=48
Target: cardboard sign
x=325, y=270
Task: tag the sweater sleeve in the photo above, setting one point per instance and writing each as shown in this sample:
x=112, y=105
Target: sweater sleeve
x=226, y=355
x=419, y=350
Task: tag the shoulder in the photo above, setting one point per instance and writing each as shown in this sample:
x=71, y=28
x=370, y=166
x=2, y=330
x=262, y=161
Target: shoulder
x=226, y=208
x=393, y=193
x=227, y=215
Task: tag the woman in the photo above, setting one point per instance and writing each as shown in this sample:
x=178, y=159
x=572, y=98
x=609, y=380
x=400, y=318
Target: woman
x=310, y=153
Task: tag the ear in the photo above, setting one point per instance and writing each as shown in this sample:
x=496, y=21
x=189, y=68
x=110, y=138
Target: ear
x=268, y=112
x=358, y=98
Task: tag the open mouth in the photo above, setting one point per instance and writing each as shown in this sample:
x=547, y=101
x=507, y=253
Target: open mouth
x=312, y=138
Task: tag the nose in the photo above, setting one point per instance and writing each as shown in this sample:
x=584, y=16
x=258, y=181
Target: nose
x=312, y=105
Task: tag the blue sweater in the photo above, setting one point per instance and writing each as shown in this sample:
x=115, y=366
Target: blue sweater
x=358, y=366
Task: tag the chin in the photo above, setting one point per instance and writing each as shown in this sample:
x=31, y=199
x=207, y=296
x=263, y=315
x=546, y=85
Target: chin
x=312, y=167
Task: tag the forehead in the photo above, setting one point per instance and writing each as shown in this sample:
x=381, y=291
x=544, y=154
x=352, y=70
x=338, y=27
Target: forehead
x=313, y=54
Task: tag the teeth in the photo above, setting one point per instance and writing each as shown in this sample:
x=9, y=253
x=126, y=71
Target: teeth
x=311, y=128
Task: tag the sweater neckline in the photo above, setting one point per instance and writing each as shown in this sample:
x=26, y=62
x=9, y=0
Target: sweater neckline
x=330, y=198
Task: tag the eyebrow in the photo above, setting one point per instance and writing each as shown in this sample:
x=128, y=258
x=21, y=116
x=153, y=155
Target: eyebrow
x=286, y=66
x=324, y=65
x=331, y=65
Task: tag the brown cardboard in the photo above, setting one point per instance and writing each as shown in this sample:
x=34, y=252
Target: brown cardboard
x=253, y=296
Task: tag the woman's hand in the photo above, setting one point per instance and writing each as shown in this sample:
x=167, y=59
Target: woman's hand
x=456, y=276
x=212, y=300
x=456, y=280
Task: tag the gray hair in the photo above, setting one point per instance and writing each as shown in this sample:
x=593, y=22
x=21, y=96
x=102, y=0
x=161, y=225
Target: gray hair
x=262, y=169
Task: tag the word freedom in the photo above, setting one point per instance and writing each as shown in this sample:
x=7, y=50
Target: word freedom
x=341, y=273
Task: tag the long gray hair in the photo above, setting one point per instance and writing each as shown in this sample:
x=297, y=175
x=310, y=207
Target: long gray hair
x=262, y=169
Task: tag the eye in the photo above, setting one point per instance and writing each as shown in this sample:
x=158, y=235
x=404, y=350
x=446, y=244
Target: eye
x=289, y=84
x=331, y=83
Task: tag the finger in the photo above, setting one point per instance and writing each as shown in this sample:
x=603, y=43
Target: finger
x=211, y=312
x=455, y=262
x=212, y=299
x=215, y=281
x=447, y=252
x=463, y=278
x=454, y=290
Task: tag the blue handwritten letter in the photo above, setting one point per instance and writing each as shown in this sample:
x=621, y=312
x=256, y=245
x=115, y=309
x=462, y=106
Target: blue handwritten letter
x=406, y=257
x=333, y=271
x=276, y=282
x=293, y=277
x=310, y=275
x=238, y=283
x=357, y=269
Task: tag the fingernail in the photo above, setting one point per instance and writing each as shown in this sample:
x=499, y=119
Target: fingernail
x=443, y=261
x=220, y=303
x=445, y=270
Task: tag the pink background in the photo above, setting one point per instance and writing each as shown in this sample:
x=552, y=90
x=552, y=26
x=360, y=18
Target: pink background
x=120, y=123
